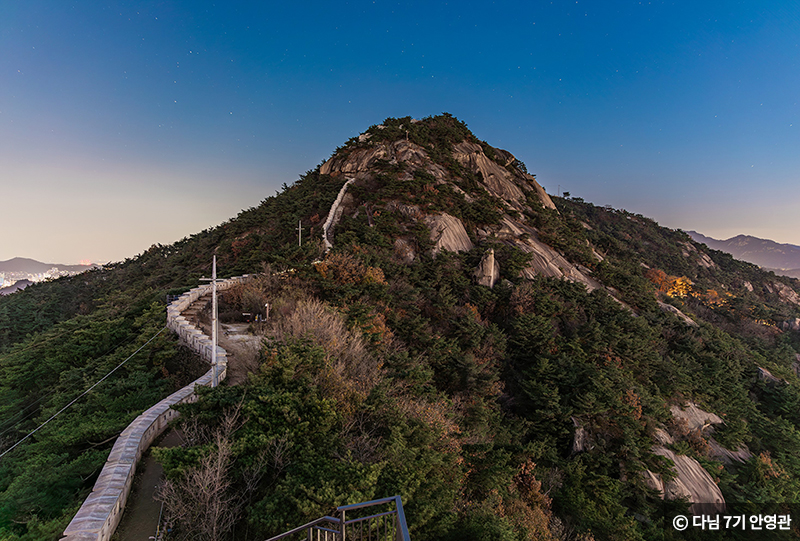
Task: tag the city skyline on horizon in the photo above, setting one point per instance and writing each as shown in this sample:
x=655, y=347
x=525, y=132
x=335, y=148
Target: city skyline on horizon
x=125, y=126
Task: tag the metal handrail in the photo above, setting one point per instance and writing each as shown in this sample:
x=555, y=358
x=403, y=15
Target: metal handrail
x=353, y=506
x=400, y=525
x=320, y=528
x=306, y=526
x=354, y=520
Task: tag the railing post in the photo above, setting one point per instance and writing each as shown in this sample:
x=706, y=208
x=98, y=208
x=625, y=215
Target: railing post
x=341, y=529
x=402, y=527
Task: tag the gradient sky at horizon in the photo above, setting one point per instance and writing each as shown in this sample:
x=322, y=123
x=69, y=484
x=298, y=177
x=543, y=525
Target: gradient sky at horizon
x=124, y=124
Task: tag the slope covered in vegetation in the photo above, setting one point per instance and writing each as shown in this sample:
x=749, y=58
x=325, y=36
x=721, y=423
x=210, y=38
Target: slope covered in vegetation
x=524, y=400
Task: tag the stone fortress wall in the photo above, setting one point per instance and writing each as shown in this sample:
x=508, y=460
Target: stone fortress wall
x=98, y=517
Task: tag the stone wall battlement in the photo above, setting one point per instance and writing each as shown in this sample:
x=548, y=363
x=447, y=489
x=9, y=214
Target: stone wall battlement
x=98, y=517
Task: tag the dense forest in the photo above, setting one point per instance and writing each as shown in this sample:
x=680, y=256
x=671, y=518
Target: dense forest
x=530, y=408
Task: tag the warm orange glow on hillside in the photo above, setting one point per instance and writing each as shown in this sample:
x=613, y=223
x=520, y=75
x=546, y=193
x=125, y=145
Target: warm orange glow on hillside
x=674, y=286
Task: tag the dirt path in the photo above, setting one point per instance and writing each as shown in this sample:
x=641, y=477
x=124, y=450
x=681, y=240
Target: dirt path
x=140, y=521
x=242, y=349
x=142, y=511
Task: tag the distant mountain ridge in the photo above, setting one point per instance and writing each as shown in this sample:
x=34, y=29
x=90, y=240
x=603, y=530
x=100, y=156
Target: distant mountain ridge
x=24, y=264
x=768, y=254
x=16, y=286
x=20, y=272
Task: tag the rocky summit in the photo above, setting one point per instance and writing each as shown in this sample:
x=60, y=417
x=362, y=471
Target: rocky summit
x=468, y=194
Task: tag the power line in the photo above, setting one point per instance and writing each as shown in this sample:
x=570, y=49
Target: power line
x=14, y=420
x=33, y=345
x=82, y=394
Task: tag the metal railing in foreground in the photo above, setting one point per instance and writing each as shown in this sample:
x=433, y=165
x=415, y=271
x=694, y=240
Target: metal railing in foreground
x=383, y=526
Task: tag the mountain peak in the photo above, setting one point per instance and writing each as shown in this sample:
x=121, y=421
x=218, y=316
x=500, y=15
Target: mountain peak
x=763, y=252
x=436, y=174
x=441, y=146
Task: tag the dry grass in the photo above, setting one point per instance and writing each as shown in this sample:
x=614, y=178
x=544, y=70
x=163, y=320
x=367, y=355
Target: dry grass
x=350, y=368
x=344, y=268
x=251, y=295
x=439, y=415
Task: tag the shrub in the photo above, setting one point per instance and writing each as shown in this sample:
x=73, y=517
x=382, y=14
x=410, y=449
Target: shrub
x=349, y=368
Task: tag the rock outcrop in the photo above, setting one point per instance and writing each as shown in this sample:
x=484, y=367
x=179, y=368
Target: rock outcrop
x=579, y=438
x=691, y=480
x=362, y=160
x=673, y=310
x=791, y=325
x=488, y=271
x=766, y=376
x=500, y=176
x=786, y=293
x=404, y=251
x=694, y=417
x=700, y=258
x=448, y=233
x=726, y=456
x=496, y=177
x=545, y=260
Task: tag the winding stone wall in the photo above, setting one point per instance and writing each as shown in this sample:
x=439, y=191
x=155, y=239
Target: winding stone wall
x=98, y=517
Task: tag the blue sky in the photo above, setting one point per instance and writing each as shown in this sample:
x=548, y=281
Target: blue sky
x=124, y=124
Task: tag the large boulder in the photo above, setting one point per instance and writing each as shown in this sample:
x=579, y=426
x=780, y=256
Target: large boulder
x=673, y=310
x=691, y=482
x=495, y=177
x=488, y=271
x=448, y=233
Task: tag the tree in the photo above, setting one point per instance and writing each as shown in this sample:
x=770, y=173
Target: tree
x=202, y=501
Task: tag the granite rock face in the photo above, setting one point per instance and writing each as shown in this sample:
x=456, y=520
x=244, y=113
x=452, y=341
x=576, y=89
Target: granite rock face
x=700, y=258
x=497, y=178
x=365, y=159
x=545, y=260
x=695, y=417
x=691, y=480
x=488, y=271
x=786, y=293
x=448, y=233
x=673, y=310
